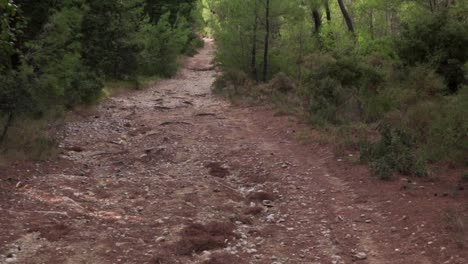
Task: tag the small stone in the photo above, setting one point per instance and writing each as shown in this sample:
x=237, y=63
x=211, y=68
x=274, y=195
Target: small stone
x=206, y=255
x=161, y=239
x=368, y=221
x=270, y=218
x=393, y=229
x=251, y=250
x=267, y=203
x=360, y=256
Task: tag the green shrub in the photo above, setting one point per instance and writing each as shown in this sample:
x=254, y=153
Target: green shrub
x=333, y=87
x=439, y=40
x=447, y=139
x=394, y=152
x=111, y=36
x=163, y=44
x=424, y=81
x=17, y=90
x=85, y=88
x=232, y=81
x=193, y=45
x=63, y=78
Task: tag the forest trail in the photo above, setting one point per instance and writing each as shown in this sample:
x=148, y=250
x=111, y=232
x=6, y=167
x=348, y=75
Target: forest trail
x=153, y=176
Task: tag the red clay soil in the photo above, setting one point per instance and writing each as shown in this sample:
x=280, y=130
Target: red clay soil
x=173, y=174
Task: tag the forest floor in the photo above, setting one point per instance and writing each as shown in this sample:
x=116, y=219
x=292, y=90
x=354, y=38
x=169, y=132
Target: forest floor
x=174, y=174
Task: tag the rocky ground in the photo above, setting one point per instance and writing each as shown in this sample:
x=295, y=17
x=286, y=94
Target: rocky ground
x=173, y=174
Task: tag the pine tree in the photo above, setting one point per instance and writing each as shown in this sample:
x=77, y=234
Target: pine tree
x=111, y=32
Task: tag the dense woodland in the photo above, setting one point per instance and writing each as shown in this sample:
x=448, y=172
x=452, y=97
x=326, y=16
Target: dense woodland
x=349, y=66
x=55, y=55
x=355, y=67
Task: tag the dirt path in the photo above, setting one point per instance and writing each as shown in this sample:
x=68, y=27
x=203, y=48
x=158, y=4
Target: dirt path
x=173, y=174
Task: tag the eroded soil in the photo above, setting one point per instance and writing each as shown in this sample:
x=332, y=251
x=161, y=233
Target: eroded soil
x=173, y=174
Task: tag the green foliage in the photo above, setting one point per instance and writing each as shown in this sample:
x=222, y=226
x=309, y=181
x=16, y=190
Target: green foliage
x=111, y=36
x=163, y=43
x=193, y=45
x=332, y=86
x=232, y=83
x=439, y=40
x=57, y=54
x=156, y=9
x=447, y=136
x=7, y=21
x=392, y=153
x=63, y=78
x=17, y=92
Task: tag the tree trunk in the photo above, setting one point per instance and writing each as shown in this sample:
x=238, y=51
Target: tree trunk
x=267, y=40
x=327, y=10
x=317, y=20
x=371, y=26
x=346, y=16
x=253, y=65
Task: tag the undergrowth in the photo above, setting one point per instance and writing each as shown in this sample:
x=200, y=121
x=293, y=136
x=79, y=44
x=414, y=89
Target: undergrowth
x=30, y=139
x=394, y=152
x=398, y=118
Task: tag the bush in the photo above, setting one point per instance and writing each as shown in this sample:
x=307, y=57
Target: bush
x=424, y=81
x=392, y=153
x=439, y=40
x=85, y=88
x=232, y=83
x=163, y=44
x=332, y=87
x=17, y=90
x=447, y=137
x=193, y=45
x=56, y=55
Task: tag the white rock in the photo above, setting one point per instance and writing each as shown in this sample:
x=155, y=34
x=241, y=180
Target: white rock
x=270, y=218
x=161, y=239
x=360, y=256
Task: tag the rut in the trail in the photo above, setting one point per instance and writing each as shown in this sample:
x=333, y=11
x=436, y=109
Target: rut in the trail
x=173, y=174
